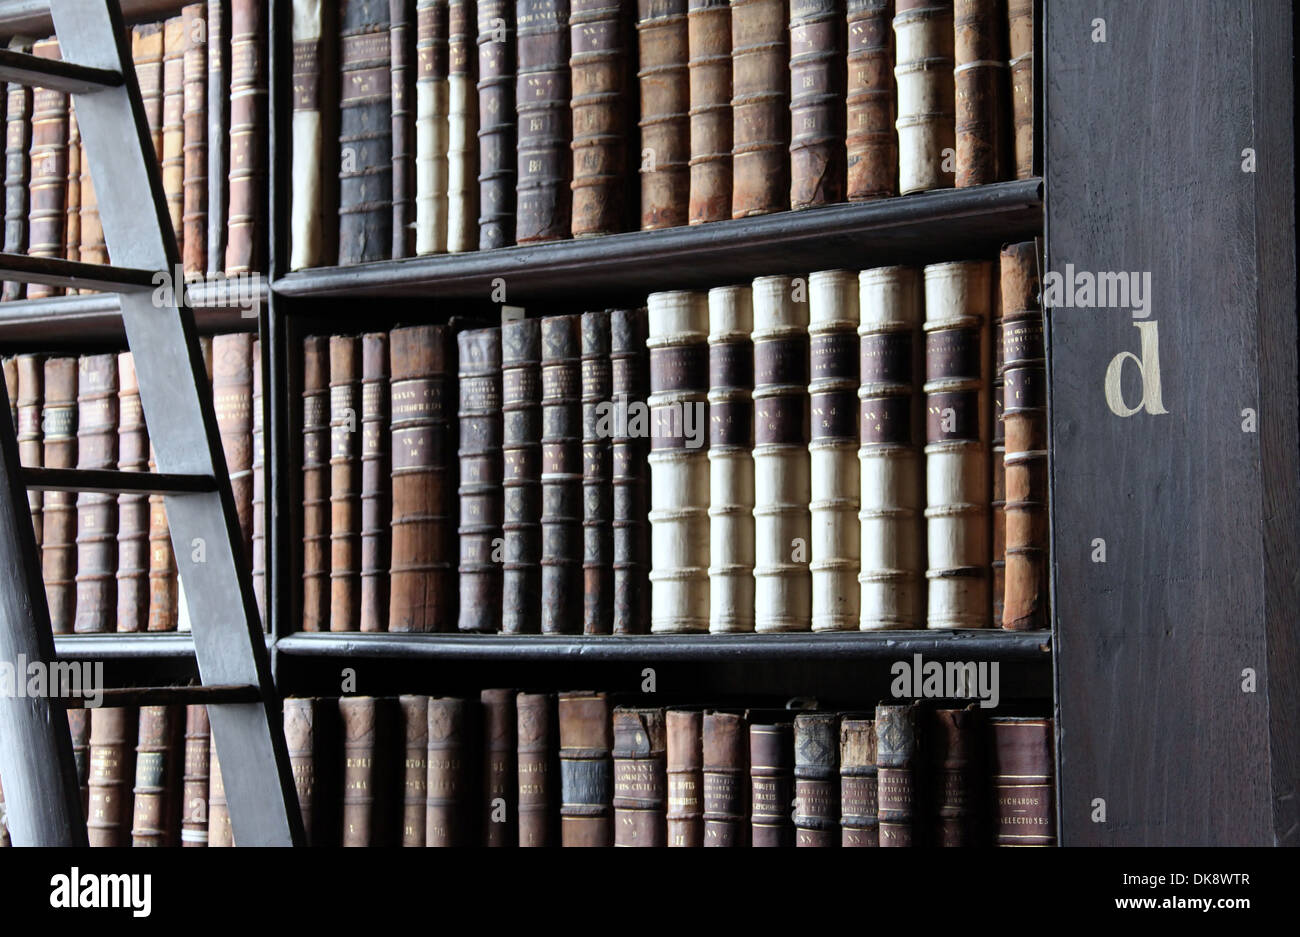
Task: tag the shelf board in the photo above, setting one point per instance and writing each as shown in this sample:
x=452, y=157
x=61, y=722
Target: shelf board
x=157, y=646
x=948, y=224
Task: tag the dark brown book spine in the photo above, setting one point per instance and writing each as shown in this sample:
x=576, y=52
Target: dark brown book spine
x=194, y=782
x=164, y=597
x=147, y=56
x=586, y=770
x=664, y=81
x=771, y=775
x=31, y=446
x=598, y=66
x=365, y=133
x=543, y=197
x=538, y=748
x=640, y=782
x=58, y=512
x=220, y=832
x=980, y=72
x=259, y=487
x=132, y=509
x=246, y=240
x=345, y=482
x=415, y=768
x=366, y=723
x=112, y=768
x=376, y=511
x=480, y=479
x=896, y=752
x=760, y=96
x=496, y=134
x=173, y=117
x=156, y=821
x=561, y=475
x=709, y=44
x=450, y=812
x=630, y=472
x=500, y=775
x=194, y=152
x=1023, y=773
x=685, y=760
x=871, y=140
x=422, y=584
x=402, y=76
x=300, y=728
x=725, y=755
x=597, y=481
x=1020, y=21
x=218, y=102
x=79, y=729
x=817, y=108
x=816, y=779
x=521, y=461
x=49, y=172
x=18, y=137
x=954, y=745
x=859, y=823
x=72, y=203
x=96, y=599
x=232, y=398
x=315, y=484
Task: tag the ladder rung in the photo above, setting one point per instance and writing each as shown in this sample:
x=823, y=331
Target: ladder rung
x=51, y=271
x=106, y=481
x=171, y=695
x=68, y=77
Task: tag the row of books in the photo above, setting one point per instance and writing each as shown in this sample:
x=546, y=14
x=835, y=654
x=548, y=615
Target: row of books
x=482, y=123
x=838, y=452
x=107, y=559
x=202, y=78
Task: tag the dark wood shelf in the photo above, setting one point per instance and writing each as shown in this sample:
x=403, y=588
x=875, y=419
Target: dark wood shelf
x=171, y=645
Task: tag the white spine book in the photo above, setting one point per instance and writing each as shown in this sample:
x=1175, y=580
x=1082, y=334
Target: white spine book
x=462, y=144
x=431, y=130
x=927, y=104
x=305, y=222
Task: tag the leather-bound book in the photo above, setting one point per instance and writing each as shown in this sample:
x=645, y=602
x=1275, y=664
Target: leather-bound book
x=93, y=249
x=258, y=561
x=58, y=511
x=664, y=79
x=422, y=591
x=164, y=587
x=376, y=480
x=816, y=779
x=194, y=780
x=983, y=121
x=561, y=475
x=79, y=729
x=451, y=810
x=232, y=398
x=896, y=762
x=957, y=385
x=640, y=784
x=173, y=124
x=415, y=767
x=368, y=768
x=771, y=775
x=312, y=196
x=315, y=484
x=462, y=126
x=402, y=32
x=496, y=131
x=630, y=475
x=543, y=198
x=11, y=388
x=365, y=132
x=760, y=96
x=597, y=486
x=156, y=817
x=859, y=822
x=132, y=509
x=954, y=745
x=586, y=770
x=345, y=483
x=817, y=106
x=833, y=449
x=218, y=132
x=521, y=459
x=96, y=590
x=871, y=140
x=599, y=57
x=246, y=238
x=301, y=738
x=923, y=55
x=709, y=54
x=72, y=199
x=782, y=465
x=31, y=446
x=220, y=832
x=194, y=133
x=679, y=465
x=432, y=107
x=731, y=459
x=481, y=502
x=18, y=136
x=147, y=56
x=997, y=465
x=112, y=769
x=685, y=768
x=500, y=774
x=1020, y=21
x=725, y=767
x=891, y=423
x=49, y=170
x=538, y=750
x=1023, y=775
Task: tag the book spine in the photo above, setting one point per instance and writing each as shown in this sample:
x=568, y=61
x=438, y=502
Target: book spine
x=365, y=133
x=312, y=75
x=132, y=509
x=18, y=137
x=220, y=832
x=147, y=57
x=500, y=773
x=363, y=755
x=816, y=780
x=760, y=95
x=345, y=483
x=450, y=798
x=232, y=398
x=96, y=579
x=859, y=823
x=79, y=729
x=598, y=65
x=164, y=588
x=640, y=816
x=871, y=140
x=731, y=459
x=11, y=388
x=685, y=771
x=537, y=749
x=300, y=738
x=194, y=780
x=156, y=821
x=630, y=479
x=93, y=249
x=59, y=512
x=112, y=767
x=586, y=770
x=817, y=105
x=49, y=171
x=771, y=774
x=725, y=779
x=980, y=73
x=521, y=451
x=219, y=74
x=194, y=139
x=957, y=383
x=462, y=127
x=31, y=442
x=405, y=66
x=246, y=239
x=259, y=502
x=481, y=502
x=997, y=464
x=709, y=64
x=953, y=745
x=173, y=124
x=664, y=79
x=72, y=206
x=561, y=475
x=1024, y=805
x=432, y=140
x=376, y=479
x=415, y=768
x=895, y=774
x=923, y=42
x=496, y=133
x=1020, y=28
x=679, y=466
x=315, y=484
x=597, y=485
x=544, y=200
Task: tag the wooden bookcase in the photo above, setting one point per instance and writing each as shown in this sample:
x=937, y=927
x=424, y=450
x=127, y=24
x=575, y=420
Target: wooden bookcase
x=1140, y=148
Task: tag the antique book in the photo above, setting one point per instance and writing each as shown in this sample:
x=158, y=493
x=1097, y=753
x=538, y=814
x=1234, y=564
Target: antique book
x=586, y=770
x=376, y=481
x=1024, y=359
x=782, y=465
x=835, y=557
x=859, y=822
x=93, y=249
x=156, y=815
x=640, y=785
x=194, y=778
x=896, y=753
x=422, y=591
x=432, y=140
x=232, y=398
x=538, y=749
x=561, y=475
x=664, y=79
x=96, y=577
x=220, y=832
x=1021, y=775
x=31, y=444
x=367, y=730
x=496, y=131
x=481, y=502
x=817, y=104
x=11, y=388
x=72, y=199
x=725, y=779
x=313, y=194
x=630, y=477
x=173, y=124
x=219, y=50
x=414, y=711
x=301, y=719
x=451, y=816
x=760, y=96
x=365, y=133
x=112, y=770
x=58, y=510
x=315, y=484
x=679, y=466
x=194, y=138
x=259, y=503
x=923, y=54
x=500, y=791
x=980, y=72
x=685, y=770
x=521, y=460
x=79, y=729
x=1020, y=21
x=599, y=60
x=816, y=779
x=462, y=127
x=997, y=465
x=957, y=384
x=543, y=198
x=147, y=56
x=597, y=483
x=871, y=139
x=345, y=483
x=18, y=136
x=246, y=238
x=132, y=509
x=954, y=745
x=165, y=599
x=891, y=350
x=731, y=459
x=404, y=67
x=709, y=63
x=49, y=171
x=771, y=775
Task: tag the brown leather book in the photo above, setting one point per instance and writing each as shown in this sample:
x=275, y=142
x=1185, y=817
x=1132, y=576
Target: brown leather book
x=537, y=753
x=58, y=512
x=997, y=466
x=521, y=463
x=859, y=823
x=365, y=132
x=18, y=137
x=72, y=201
x=685, y=769
x=147, y=55
x=301, y=739
x=586, y=770
x=132, y=509
x=980, y=70
x=725, y=768
x=816, y=779
x=422, y=584
x=93, y=248
x=451, y=815
x=415, y=767
x=315, y=484
x=664, y=81
x=173, y=123
x=194, y=132
x=368, y=808
x=345, y=482
x=49, y=171
x=543, y=198
x=640, y=783
x=11, y=388
x=156, y=818
x=480, y=479
x=561, y=475
x=896, y=752
x=79, y=729
x=96, y=599
x=1020, y=21
x=630, y=472
x=599, y=59
x=771, y=775
x=258, y=560
x=31, y=447
x=246, y=236
x=709, y=52
x=496, y=134
x=500, y=775
x=164, y=590
x=760, y=96
x=112, y=768
x=376, y=512
x=871, y=140
x=218, y=132
x=194, y=781
x=955, y=770
x=1023, y=779
x=232, y=397
x=402, y=76
x=817, y=108
x=219, y=829
x=597, y=483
